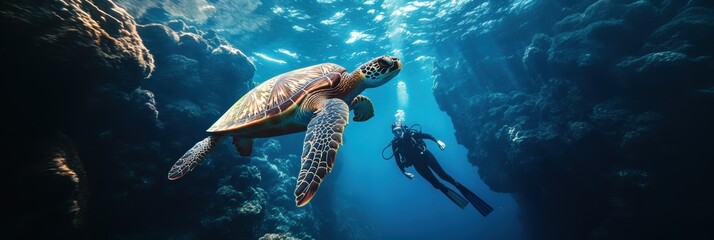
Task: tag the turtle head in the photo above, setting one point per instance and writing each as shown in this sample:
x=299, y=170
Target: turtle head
x=378, y=71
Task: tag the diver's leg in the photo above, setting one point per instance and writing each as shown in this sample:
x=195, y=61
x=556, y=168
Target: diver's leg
x=425, y=172
x=434, y=165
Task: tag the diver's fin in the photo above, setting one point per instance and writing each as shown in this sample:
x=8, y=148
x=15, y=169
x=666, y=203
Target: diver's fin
x=456, y=198
x=478, y=203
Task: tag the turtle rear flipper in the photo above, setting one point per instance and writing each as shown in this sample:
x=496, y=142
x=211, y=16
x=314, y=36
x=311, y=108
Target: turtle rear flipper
x=194, y=156
x=243, y=145
x=322, y=140
x=363, y=108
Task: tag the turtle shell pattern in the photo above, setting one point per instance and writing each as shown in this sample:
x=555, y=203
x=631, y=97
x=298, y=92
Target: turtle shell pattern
x=277, y=95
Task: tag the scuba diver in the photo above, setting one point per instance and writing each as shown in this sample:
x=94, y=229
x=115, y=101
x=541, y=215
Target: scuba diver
x=409, y=149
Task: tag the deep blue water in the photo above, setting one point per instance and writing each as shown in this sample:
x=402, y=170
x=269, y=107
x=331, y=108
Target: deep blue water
x=396, y=207
x=573, y=119
x=402, y=208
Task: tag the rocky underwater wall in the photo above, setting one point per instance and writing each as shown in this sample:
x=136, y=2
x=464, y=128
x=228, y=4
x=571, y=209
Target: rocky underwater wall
x=597, y=115
x=99, y=109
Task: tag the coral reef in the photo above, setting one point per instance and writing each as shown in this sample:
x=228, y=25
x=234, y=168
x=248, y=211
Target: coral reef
x=283, y=218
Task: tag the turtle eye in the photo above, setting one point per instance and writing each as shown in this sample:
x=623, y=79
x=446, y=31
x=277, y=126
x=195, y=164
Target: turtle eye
x=385, y=62
x=389, y=61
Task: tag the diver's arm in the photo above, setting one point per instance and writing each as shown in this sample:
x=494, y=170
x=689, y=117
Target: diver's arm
x=425, y=136
x=398, y=159
x=441, y=144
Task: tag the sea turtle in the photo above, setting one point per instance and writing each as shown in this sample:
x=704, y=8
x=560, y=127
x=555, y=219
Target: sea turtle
x=312, y=99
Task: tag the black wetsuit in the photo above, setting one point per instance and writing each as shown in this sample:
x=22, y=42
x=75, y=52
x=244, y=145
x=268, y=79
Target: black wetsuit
x=411, y=151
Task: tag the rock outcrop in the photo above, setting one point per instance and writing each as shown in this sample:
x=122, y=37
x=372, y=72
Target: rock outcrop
x=60, y=53
x=99, y=109
x=598, y=123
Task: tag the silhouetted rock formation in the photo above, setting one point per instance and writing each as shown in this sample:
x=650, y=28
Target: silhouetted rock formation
x=60, y=53
x=79, y=70
x=599, y=122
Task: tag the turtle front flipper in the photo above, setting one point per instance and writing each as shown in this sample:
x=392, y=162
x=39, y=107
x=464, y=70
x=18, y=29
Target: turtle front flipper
x=194, y=156
x=363, y=108
x=322, y=140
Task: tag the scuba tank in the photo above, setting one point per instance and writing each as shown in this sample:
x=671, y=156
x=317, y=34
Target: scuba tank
x=408, y=131
x=419, y=143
